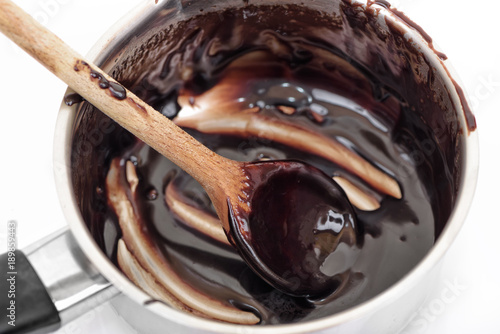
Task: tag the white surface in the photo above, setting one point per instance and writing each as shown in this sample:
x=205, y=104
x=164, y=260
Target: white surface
x=467, y=298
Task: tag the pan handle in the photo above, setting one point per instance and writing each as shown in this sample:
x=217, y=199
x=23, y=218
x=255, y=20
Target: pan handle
x=48, y=285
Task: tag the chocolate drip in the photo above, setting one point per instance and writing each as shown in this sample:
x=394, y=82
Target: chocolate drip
x=72, y=99
x=115, y=89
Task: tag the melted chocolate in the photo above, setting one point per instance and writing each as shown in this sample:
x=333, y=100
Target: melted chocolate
x=341, y=74
x=410, y=23
x=301, y=230
x=72, y=99
x=469, y=115
x=115, y=89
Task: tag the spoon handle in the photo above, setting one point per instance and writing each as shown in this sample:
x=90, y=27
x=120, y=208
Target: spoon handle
x=110, y=97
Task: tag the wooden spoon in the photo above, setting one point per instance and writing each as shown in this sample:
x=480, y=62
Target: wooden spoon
x=285, y=217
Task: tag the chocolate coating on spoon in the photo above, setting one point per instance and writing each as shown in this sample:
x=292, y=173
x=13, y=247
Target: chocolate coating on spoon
x=115, y=89
x=299, y=217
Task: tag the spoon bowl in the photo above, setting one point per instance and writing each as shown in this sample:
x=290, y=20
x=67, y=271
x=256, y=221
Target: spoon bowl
x=301, y=232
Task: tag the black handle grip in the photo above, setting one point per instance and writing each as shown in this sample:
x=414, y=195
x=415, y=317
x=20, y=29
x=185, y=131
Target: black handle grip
x=25, y=305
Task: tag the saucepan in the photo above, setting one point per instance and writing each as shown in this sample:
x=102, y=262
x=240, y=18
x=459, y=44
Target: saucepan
x=73, y=269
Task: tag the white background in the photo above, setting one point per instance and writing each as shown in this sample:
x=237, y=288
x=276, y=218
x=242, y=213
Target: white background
x=466, y=31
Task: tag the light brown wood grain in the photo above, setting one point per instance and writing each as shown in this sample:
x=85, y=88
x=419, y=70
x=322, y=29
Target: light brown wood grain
x=219, y=176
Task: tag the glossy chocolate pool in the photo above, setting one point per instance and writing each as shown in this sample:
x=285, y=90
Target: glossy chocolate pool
x=342, y=75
